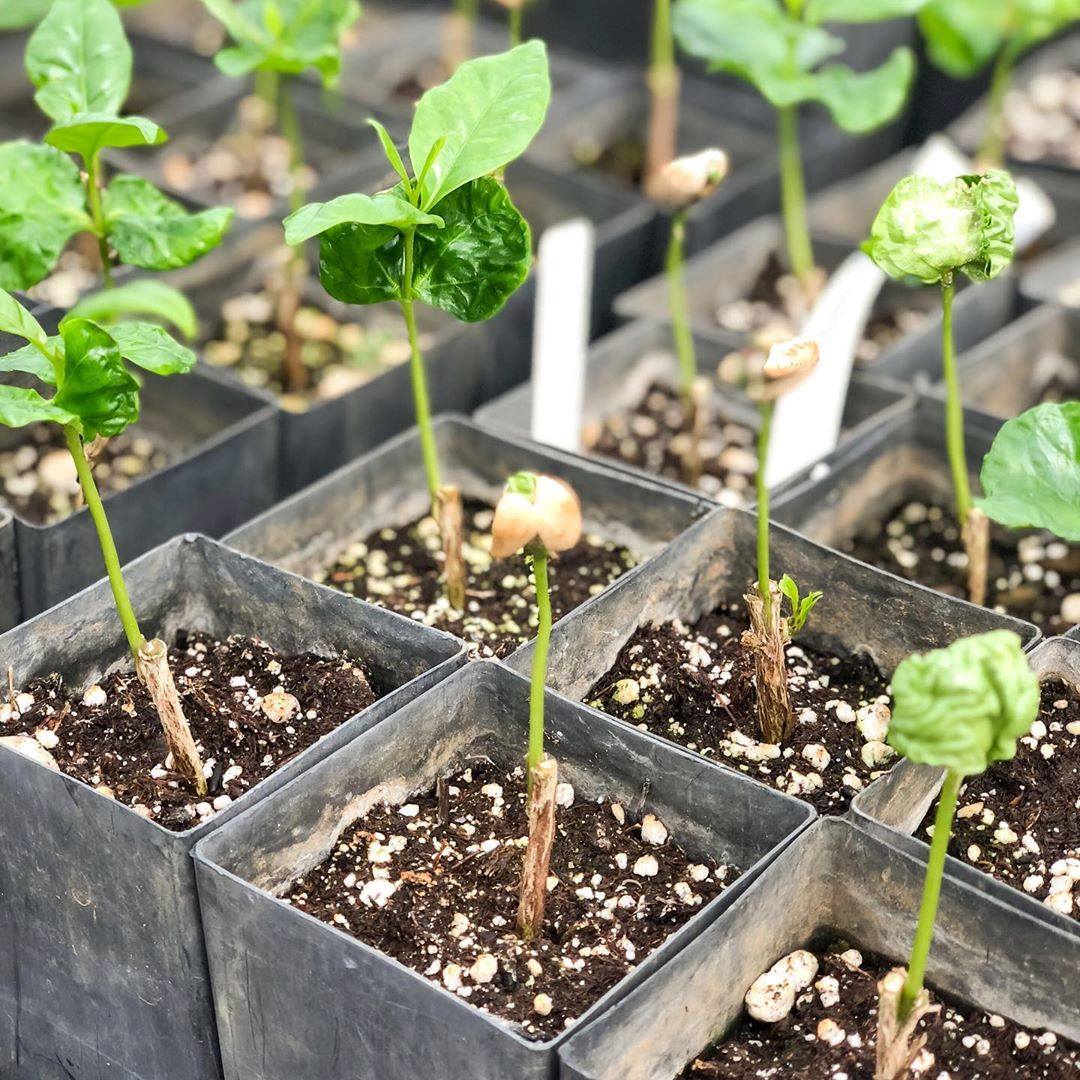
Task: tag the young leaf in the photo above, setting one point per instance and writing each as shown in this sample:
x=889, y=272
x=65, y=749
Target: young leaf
x=362, y=264
x=1031, y=475
x=142, y=297
x=96, y=388
x=29, y=361
x=79, y=59
x=391, y=151
x=861, y=102
x=152, y=231
x=489, y=111
x=42, y=206
x=964, y=707
x=800, y=606
x=19, y=407
x=87, y=134
x=860, y=11
x=152, y=348
x=15, y=319
x=385, y=208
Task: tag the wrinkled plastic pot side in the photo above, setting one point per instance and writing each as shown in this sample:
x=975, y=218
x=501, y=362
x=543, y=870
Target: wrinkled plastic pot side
x=10, y=604
x=879, y=811
x=1055, y=278
x=299, y=1000
x=101, y=950
x=834, y=881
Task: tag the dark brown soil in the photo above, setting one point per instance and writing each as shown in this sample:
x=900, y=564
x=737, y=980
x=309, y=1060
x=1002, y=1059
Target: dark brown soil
x=695, y=685
x=401, y=568
x=1030, y=576
x=1020, y=820
x=654, y=435
x=964, y=1043
x=438, y=897
x=224, y=686
x=38, y=479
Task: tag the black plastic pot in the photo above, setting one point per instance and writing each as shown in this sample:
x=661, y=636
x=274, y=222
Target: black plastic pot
x=101, y=945
x=297, y=998
x=10, y=604
x=1055, y=278
x=835, y=881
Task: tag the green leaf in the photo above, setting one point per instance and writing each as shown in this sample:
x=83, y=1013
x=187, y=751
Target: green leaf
x=18, y=14
x=150, y=230
x=800, y=606
x=362, y=264
x=152, y=348
x=963, y=707
x=385, y=208
x=19, y=407
x=488, y=111
x=30, y=361
x=391, y=151
x=143, y=297
x=15, y=319
x=472, y=265
x=860, y=11
x=79, y=59
x=1031, y=475
x=236, y=61
x=929, y=230
x=42, y=206
x=863, y=101
x=88, y=133
x=96, y=387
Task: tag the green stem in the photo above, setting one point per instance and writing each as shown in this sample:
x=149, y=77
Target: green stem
x=290, y=128
x=421, y=399
x=266, y=86
x=793, y=194
x=105, y=538
x=93, y=198
x=935, y=868
x=766, y=409
x=992, y=153
x=540, y=658
x=680, y=308
x=954, y=406
x=663, y=39
x=514, y=20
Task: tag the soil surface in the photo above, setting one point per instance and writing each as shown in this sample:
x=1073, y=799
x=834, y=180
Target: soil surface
x=77, y=271
x=832, y=1033
x=1034, y=577
x=250, y=709
x=401, y=569
x=1042, y=119
x=655, y=436
x=38, y=479
x=443, y=898
x=695, y=686
x=1020, y=820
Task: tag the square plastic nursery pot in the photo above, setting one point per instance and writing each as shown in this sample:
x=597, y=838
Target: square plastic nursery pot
x=1055, y=278
x=297, y=998
x=834, y=882
x=10, y=604
x=623, y=366
x=897, y=820
x=101, y=945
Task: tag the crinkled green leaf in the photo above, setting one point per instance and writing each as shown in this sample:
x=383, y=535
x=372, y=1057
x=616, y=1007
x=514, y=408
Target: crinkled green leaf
x=481, y=256
x=152, y=348
x=1031, y=476
x=860, y=11
x=964, y=707
x=19, y=407
x=488, y=112
x=30, y=361
x=150, y=230
x=88, y=133
x=42, y=206
x=385, y=208
x=862, y=101
x=15, y=319
x=929, y=230
x=362, y=264
x=79, y=59
x=96, y=387
x=143, y=297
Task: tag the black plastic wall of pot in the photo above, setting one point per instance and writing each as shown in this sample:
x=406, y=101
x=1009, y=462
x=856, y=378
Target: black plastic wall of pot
x=1055, y=278
x=386, y=488
x=101, y=945
x=298, y=998
x=880, y=811
x=834, y=881
x=10, y=603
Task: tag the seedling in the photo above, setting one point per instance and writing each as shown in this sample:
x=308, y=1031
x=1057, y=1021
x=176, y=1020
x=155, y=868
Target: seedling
x=960, y=709
x=515, y=9
x=928, y=231
x=964, y=37
x=778, y=46
x=664, y=81
x=540, y=516
x=789, y=364
x=96, y=397
x=447, y=234
x=80, y=61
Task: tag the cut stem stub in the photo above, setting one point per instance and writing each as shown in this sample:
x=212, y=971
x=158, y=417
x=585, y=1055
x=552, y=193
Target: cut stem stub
x=897, y=1042
x=534, y=874
x=769, y=633
x=451, y=518
x=976, y=537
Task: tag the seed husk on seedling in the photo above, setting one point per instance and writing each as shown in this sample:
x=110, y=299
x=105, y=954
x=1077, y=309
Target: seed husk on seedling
x=961, y=709
x=448, y=234
x=96, y=397
x=542, y=517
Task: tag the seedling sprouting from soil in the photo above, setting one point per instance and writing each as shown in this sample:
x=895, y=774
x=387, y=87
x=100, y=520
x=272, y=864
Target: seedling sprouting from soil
x=959, y=709
x=664, y=83
x=96, y=397
x=447, y=234
x=964, y=37
x=928, y=232
x=788, y=365
x=80, y=61
x=778, y=47
x=542, y=516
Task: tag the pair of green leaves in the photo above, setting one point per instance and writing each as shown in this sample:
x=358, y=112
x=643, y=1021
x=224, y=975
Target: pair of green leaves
x=283, y=35
x=964, y=707
x=449, y=221
x=928, y=230
x=761, y=42
x=801, y=606
x=95, y=393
